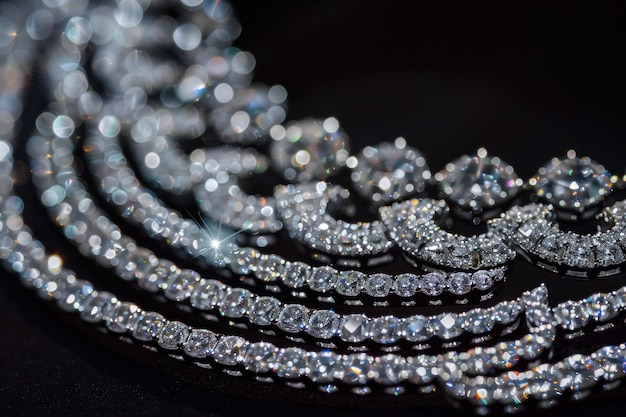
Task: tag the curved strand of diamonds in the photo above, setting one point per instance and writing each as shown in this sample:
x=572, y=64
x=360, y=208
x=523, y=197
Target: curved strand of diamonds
x=71, y=207
x=462, y=375
x=303, y=209
x=411, y=224
x=51, y=280
x=137, y=204
x=533, y=230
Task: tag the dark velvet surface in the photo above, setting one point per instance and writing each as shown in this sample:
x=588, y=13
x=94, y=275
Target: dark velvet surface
x=527, y=81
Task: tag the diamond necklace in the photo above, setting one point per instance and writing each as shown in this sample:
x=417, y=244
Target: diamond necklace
x=461, y=373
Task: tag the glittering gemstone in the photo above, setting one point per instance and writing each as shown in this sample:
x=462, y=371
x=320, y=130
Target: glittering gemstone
x=310, y=149
x=293, y=318
x=323, y=278
x=207, y=294
x=433, y=283
x=123, y=318
x=386, y=329
x=478, y=181
x=291, y=362
x=323, y=366
x=258, y=356
x=173, y=335
x=416, y=328
x=323, y=324
x=357, y=368
x=378, y=285
x=148, y=326
x=477, y=321
x=350, y=283
x=406, y=285
x=200, y=343
x=506, y=312
x=460, y=283
x=391, y=369
x=180, y=286
x=154, y=277
x=571, y=315
x=230, y=350
x=295, y=274
x=445, y=325
x=573, y=183
x=601, y=306
x=75, y=296
x=388, y=172
x=236, y=302
x=264, y=310
x=354, y=328
x=250, y=115
x=482, y=280
x=98, y=306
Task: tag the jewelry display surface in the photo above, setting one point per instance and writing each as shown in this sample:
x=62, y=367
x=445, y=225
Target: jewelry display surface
x=501, y=294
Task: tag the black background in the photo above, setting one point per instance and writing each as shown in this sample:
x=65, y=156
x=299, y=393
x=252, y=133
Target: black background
x=526, y=80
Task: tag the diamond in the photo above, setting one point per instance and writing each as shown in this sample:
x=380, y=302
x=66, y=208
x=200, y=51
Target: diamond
x=350, y=283
x=378, y=285
x=324, y=366
x=601, y=307
x=406, y=285
x=230, y=350
x=293, y=318
x=296, y=274
x=200, y=343
x=354, y=328
x=291, y=362
x=207, y=294
x=123, y=318
x=258, y=356
x=391, y=369
x=323, y=324
x=482, y=280
x=573, y=183
x=154, y=277
x=571, y=315
x=445, y=325
x=236, y=302
x=357, y=368
x=264, y=310
x=310, y=149
x=416, y=328
x=433, y=283
x=323, y=279
x=148, y=326
x=478, y=181
x=386, y=329
x=477, y=321
x=97, y=307
x=388, y=172
x=250, y=114
x=173, y=335
x=180, y=286
x=460, y=283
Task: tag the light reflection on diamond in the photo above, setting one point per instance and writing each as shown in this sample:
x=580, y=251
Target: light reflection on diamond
x=574, y=183
x=478, y=181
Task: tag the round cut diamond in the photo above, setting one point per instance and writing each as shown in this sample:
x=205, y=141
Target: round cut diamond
x=433, y=283
x=574, y=183
x=460, y=283
x=478, y=181
x=350, y=282
x=310, y=149
x=388, y=172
